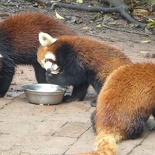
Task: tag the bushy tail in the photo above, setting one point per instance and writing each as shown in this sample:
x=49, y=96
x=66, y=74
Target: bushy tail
x=105, y=144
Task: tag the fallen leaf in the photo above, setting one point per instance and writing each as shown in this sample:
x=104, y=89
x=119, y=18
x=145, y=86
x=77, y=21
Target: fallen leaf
x=41, y=5
x=151, y=23
x=143, y=52
x=58, y=16
x=4, y=15
x=85, y=28
x=99, y=26
x=79, y=1
x=145, y=41
x=141, y=12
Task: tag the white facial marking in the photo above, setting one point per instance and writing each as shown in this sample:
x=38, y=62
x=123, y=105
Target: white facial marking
x=48, y=65
x=50, y=56
x=43, y=61
x=1, y=56
x=55, y=66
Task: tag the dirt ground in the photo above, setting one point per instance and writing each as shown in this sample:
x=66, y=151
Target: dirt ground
x=138, y=45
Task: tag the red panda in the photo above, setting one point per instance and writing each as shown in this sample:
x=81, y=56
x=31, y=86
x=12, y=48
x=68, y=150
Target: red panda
x=19, y=43
x=124, y=105
x=79, y=61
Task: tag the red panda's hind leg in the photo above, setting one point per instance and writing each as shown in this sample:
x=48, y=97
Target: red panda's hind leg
x=136, y=127
x=93, y=120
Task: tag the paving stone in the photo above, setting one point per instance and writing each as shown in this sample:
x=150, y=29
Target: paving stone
x=84, y=144
x=16, y=127
x=15, y=152
x=126, y=146
x=7, y=141
x=73, y=129
x=146, y=147
x=19, y=110
x=47, y=127
x=52, y=145
x=77, y=112
x=64, y=129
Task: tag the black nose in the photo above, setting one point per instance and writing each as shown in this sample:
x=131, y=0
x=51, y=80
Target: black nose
x=48, y=70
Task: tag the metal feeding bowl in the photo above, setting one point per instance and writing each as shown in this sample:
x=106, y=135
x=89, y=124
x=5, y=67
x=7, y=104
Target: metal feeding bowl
x=44, y=93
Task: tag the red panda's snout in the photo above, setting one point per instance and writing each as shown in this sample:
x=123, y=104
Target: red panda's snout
x=51, y=67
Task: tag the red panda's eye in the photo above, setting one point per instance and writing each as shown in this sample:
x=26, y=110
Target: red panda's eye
x=50, y=60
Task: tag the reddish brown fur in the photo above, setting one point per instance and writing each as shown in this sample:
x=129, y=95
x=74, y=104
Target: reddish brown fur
x=124, y=104
x=19, y=43
x=83, y=61
x=27, y=27
x=104, y=56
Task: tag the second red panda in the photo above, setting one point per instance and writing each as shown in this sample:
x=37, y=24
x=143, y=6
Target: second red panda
x=19, y=43
x=124, y=105
x=78, y=61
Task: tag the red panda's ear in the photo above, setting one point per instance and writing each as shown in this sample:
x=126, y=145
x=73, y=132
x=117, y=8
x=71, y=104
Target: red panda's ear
x=45, y=39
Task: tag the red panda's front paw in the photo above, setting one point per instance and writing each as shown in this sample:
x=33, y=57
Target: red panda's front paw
x=48, y=73
x=67, y=98
x=48, y=77
x=93, y=103
x=70, y=98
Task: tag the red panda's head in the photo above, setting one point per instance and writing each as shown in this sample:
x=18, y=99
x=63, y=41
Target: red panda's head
x=45, y=55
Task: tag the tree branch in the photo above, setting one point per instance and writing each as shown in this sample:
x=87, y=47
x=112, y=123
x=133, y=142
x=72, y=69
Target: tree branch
x=119, y=9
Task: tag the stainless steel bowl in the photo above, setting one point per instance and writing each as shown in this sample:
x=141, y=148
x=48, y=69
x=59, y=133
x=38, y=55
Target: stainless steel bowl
x=44, y=93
